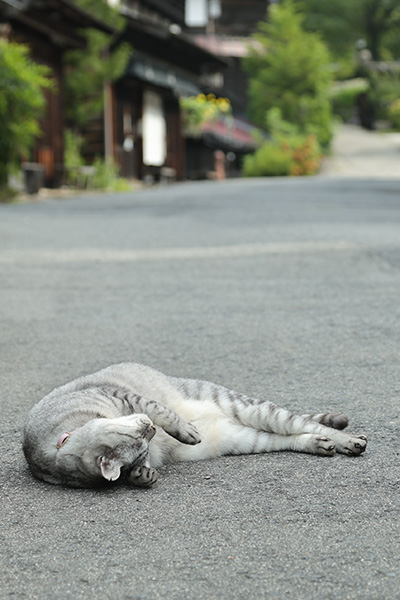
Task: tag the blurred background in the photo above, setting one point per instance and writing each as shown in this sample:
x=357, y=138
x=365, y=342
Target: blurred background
x=105, y=95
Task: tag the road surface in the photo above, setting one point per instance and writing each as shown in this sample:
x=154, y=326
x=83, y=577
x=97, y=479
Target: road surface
x=284, y=289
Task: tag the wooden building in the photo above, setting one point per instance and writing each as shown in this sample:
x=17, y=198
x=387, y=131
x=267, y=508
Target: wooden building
x=48, y=28
x=144, y=117
x=224, y=27
x=227, y=34
x=141, y=126
x=168, y=61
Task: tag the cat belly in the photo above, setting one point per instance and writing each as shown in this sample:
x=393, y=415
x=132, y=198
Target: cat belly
x=212, y=425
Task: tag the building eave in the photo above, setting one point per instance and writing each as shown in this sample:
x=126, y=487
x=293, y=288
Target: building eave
x=59, y=20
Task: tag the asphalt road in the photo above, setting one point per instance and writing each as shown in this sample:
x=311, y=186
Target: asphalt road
x=285, y=289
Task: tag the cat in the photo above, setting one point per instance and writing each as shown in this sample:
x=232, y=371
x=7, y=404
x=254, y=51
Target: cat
x=124, y=421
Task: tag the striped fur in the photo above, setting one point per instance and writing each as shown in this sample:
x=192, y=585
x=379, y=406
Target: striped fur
x=128, y=419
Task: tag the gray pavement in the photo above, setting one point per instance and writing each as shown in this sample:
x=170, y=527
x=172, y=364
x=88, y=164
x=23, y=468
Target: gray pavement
x=284, y=289
x=357, y=152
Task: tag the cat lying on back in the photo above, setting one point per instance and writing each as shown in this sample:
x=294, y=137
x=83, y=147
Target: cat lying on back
x=127, y=419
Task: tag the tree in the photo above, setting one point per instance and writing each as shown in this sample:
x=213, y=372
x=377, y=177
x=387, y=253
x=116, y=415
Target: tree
x=22, y=82
x=289, y=69
x=380, y=18
x=87, y=70
x=343, y=22
x=338, y=23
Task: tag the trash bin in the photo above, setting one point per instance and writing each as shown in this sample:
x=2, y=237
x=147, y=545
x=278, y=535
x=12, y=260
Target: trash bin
x=33, y=176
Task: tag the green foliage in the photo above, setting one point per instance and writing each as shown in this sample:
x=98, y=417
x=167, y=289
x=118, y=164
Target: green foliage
x=279, y=128
x=197, y=110
x=344, y=96
x=73, y=159
x=102, y=11
x=339, y=23
x=343, y=22
x=72, y=149
x=381, y=18
x=306, y=155
x=103, y=175
x=106, y=173
x=394, y=114
x=384, y=91
x=287, y=153
x=121, y=185
x=106, y=177
x=268, y=161
x=289, y=69
x=22, y=82
x=87, y=70
x=7, y=195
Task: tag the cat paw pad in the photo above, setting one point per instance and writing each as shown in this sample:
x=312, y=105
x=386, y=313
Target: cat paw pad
x=142, y=476
x=355, y=446
x=191, y=435
x=324, y=446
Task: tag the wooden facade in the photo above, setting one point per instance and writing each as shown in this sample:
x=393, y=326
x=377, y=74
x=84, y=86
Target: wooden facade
x=165, y=65
x=49, y=28
x=141, y=125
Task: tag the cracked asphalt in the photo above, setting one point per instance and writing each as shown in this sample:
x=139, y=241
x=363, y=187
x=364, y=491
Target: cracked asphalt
x=284, y=289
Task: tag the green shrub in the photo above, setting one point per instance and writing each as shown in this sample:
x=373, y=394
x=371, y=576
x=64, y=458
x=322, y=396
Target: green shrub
x=106, y=177
x=22, y=101
x=289, y=152
x=121, y=185
x=106, y=173
x=291, y=155
x=344, y=96
x=7, y=194
x=306, y=156
x=384, y=91
x=73, y=158
x=271, y=160
x=394, y=113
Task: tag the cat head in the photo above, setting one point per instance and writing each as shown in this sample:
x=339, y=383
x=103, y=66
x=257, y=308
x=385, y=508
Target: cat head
x=102, y=449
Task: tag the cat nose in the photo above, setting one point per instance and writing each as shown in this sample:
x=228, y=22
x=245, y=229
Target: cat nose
x=150, y=432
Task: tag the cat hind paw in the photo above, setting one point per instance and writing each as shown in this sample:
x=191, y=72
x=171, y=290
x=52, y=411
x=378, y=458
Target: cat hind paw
x=354, y=446
x=324, y=446
x=338, y=421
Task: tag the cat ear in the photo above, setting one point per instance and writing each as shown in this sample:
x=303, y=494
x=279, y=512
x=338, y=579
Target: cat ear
x=110, y=467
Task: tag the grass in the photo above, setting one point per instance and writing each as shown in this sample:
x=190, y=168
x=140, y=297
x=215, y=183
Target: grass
x=8, y=195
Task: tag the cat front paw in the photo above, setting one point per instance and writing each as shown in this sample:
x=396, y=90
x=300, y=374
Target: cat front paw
x=142, y=476
x=184, y=432
x=190, y=435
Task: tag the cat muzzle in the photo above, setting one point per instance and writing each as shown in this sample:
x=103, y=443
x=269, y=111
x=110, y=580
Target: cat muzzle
x=150, y=433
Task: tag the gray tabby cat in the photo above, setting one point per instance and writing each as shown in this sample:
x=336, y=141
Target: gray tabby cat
x=127, y=419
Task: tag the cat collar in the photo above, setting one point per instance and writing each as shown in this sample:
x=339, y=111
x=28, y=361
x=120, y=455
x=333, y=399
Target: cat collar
x=62, y=439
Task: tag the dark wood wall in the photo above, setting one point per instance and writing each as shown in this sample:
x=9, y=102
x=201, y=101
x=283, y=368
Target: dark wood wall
x=240, y=17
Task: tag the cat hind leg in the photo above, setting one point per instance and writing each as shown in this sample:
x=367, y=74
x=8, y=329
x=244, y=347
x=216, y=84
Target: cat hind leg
x=246, y=440
x=334, y=420
x=271, y=419
x=265, y=416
